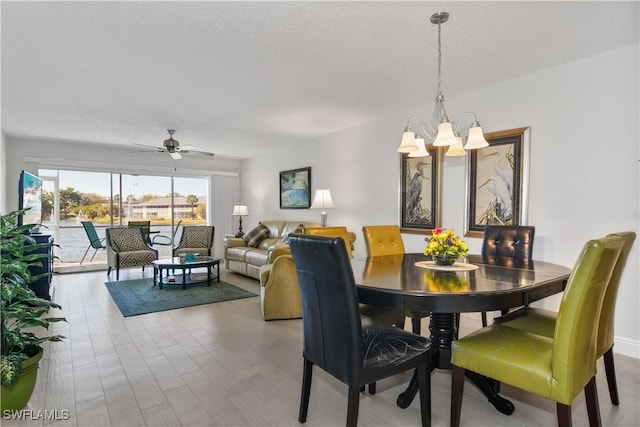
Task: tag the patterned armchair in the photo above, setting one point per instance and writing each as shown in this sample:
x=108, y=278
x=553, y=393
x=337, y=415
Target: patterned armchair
x=195, y=239
x=126, y=247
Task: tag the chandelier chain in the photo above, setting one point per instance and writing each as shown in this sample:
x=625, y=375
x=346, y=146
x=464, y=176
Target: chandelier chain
x=439, y=62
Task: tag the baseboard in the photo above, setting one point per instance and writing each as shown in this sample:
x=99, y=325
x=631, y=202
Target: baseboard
x=626, y=347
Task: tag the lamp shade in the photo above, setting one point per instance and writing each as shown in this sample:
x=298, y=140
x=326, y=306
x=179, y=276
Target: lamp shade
x=456, y=149
x=445, y=135
x=422, y=150
x=408, y=143
x=240, y=210
x=476, y=139
x=322, y=200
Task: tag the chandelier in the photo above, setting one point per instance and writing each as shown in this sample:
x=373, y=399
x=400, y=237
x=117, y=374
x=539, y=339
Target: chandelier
x=441, y=130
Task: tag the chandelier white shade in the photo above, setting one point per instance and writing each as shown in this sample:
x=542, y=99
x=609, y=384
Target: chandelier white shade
x=441, y=131
x=456, y=149
x=322, y=200
x=422, y=149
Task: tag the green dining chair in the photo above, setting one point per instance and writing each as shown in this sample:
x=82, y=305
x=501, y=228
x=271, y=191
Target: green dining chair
x=557, y=368
x=543, y=322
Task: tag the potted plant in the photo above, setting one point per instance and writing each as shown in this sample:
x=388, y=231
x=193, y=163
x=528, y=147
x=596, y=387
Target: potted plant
x=25, y=317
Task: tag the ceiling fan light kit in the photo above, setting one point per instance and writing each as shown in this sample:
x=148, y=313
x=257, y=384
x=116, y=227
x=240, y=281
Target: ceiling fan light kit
x=174, y=149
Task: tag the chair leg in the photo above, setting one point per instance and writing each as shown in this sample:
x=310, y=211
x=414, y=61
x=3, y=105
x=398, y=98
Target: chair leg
x=564, y=415
x=484, y=318
x=593, y=408
x=415, y=324
x=85, y=254
x=610, y=370
x=372, y=388
x=457, y=323
x=424, y=382
x=307, y=374
x=352, y=407
x=109, y=270
x=457, y=387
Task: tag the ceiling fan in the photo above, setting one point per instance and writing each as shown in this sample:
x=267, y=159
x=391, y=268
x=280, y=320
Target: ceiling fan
x=173, y=147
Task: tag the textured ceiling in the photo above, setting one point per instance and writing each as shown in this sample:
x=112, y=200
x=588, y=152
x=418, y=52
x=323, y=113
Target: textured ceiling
x=237, y=77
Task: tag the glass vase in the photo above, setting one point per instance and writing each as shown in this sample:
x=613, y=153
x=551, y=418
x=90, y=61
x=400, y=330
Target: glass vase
x=444, y=260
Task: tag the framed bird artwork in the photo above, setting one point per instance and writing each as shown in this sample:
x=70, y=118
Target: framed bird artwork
x=421, y=192
x=498, y=181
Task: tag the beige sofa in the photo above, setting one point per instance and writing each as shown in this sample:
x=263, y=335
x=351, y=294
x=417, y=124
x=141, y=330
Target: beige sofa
x=243, y=259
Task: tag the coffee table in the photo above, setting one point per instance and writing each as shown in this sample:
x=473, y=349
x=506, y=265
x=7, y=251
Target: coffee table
x=186, y=277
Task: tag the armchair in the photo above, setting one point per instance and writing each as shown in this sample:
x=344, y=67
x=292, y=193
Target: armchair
x=279, y=291
x=195, y=239
x=127, y=247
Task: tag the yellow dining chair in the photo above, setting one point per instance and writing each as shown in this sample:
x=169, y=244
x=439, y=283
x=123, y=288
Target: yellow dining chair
x=557, y=368
x=348, y=238
x=384, y=240
x=543, y=322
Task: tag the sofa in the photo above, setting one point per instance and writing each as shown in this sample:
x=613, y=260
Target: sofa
x=246, y=259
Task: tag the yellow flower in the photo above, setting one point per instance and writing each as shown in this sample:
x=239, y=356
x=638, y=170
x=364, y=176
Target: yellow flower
x=445, y=242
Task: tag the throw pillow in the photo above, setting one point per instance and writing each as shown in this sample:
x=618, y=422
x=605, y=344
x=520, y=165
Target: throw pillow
x=254, y=237
x=299, y=230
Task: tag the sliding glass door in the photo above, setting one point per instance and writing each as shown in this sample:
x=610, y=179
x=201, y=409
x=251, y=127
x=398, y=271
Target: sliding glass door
x=109, y=199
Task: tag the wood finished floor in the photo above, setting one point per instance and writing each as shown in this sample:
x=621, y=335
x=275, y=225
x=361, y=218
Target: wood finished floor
x=222, y=365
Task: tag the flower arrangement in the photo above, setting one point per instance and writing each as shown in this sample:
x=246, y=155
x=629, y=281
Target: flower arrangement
x=445, y=247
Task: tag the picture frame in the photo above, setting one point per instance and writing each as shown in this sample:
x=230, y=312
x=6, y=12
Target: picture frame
x=497, y=181
x=421, y=192
x=295, y=188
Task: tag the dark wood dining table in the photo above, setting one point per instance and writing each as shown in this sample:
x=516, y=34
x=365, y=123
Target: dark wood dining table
x=478, y=284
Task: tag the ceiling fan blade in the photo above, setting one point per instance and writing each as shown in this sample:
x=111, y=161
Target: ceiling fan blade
x=202, y=153
x=148, y=151
x=175, y=155
x=185, y=147
x=150, y=146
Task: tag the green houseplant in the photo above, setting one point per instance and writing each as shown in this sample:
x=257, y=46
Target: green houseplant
x=25, y=317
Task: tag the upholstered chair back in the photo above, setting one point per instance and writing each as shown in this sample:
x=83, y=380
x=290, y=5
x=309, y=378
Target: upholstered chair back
x=506, y=241
x=383, y=240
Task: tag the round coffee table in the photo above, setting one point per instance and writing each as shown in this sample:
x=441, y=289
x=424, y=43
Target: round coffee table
x=186, y=277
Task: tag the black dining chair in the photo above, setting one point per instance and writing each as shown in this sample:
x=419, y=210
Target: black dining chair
x=507, y=242
x=335, y=338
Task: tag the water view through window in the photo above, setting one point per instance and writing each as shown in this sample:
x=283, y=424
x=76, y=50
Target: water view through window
x=112, y=200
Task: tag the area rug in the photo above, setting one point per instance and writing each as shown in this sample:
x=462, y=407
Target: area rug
x=139, y=296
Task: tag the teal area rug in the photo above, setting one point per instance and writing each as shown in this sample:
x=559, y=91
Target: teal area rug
x=139, y=296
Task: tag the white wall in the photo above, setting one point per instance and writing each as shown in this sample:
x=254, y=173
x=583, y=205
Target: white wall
x=29, y=154
x=583, y=166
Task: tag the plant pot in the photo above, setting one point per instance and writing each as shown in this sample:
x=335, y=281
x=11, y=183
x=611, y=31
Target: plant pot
x=445, y=260
x=17, y=397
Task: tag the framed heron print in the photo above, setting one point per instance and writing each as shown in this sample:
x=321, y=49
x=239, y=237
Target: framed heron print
x=420, y=192
x=295, y=188
x=497, y=181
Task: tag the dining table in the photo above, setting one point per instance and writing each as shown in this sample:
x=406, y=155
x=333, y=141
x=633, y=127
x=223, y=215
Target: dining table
x=413, y=283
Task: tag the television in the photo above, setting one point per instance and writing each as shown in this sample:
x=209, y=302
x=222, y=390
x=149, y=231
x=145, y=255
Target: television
x=30, y=196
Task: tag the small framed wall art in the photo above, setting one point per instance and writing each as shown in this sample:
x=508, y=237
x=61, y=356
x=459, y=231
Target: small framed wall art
x=295, y=188
x=421, y=192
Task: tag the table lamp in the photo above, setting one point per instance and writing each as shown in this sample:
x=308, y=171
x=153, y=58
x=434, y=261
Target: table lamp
x=240, y=210
x=322, y=200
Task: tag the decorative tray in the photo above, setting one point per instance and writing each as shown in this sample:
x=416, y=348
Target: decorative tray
x=457, y=266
